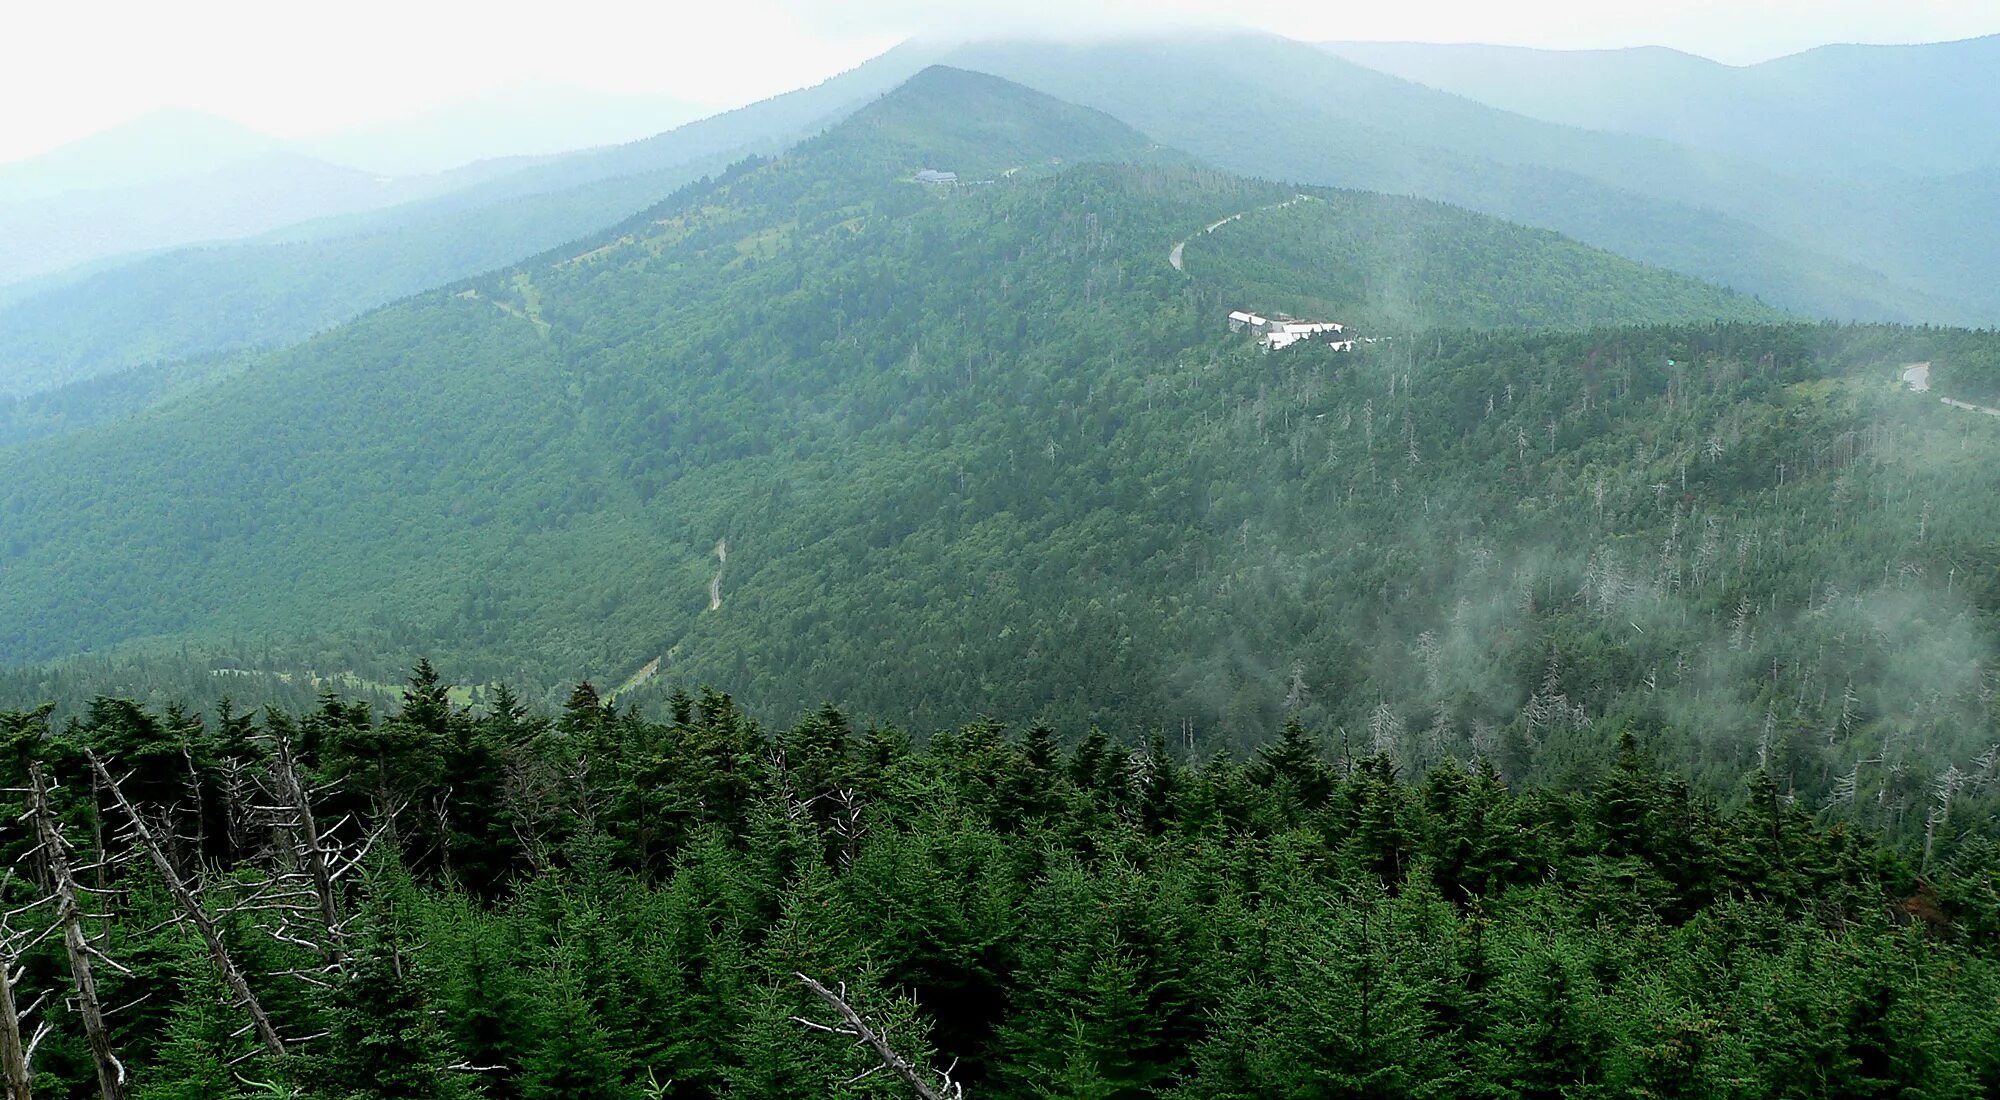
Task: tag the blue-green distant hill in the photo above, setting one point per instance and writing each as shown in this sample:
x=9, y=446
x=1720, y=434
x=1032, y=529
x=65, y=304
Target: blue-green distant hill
x=1863, y=112
x=303, y=278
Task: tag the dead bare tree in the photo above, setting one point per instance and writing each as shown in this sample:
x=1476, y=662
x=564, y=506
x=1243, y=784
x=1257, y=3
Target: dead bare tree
x=55, y=851
x=321, y=859
x=530, y=791
x=853, y=1025
x=846, y=823
x=17, y=1054
x=238, y=826
x=199, y=840
x=194, y=913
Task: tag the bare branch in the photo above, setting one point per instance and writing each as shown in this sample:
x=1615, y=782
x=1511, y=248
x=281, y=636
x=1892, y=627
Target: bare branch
x=196, y=915
x=110, y=1072
x=877, y=1040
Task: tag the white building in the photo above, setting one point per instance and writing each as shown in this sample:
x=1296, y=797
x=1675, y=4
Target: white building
x=1272, y=335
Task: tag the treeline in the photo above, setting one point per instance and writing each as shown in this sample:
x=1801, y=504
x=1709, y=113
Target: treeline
x=494, y=903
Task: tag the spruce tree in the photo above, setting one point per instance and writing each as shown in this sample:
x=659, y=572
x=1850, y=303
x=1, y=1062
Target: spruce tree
x=572, y=1056
x=386, y=1041
x=203, y=1056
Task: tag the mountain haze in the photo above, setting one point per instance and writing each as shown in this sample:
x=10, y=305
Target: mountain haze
x=1864, y=112
x=1128, y=567
x=518, y=121
x=160, y=147
x=1837, y=244
x=300, y=279
x=242, y=198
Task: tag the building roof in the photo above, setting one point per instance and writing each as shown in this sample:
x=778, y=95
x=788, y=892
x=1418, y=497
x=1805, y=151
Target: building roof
x=932, y=175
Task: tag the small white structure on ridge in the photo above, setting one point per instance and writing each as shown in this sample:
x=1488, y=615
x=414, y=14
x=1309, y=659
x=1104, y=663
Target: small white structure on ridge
x=1272, y=335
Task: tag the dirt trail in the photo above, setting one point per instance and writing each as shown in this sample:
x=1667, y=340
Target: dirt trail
x=645, y=675
x=715, y=585
x=1177, y=258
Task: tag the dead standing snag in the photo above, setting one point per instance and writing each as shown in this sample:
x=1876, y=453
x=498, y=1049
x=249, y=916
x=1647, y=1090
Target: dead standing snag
x=853, y=1025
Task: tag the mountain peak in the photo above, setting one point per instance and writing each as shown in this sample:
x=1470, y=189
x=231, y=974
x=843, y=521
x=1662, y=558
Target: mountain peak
x=978, y=126
x=166, y=144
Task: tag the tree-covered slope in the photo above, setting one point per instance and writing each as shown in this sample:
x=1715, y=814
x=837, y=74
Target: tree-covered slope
x=815, y=431
x=1838, y=244
x=1430, y=265
x=536, y=467
x=1267, y=106
x=209, y=300
x=981, y=127
x=303, y=278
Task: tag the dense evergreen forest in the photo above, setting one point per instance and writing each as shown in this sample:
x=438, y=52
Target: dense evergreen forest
x=458, y=903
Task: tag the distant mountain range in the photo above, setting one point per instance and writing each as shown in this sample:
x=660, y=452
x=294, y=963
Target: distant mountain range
x=1273, y=107
x=177, y=177
x=1877, y=113
x=242, y=198
x=291, y=282
x=516, y=121
x=1713, y=171
x=163, y=146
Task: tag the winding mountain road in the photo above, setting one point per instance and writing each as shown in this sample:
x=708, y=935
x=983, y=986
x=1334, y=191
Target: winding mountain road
x=1177, y=258
x=715, y=584
x=1917, y=376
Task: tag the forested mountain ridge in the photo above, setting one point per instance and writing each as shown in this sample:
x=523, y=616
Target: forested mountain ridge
x=789, y=321
x=1818, y=245
x=1848, y=244
x=1549, y=676
x=300, y=279
x=985, y=449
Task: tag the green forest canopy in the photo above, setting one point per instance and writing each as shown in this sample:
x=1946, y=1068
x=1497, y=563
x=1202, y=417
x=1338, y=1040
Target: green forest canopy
x=608, y=906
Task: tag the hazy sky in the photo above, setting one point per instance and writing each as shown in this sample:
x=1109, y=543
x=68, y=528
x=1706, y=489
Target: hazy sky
x=299, y=67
